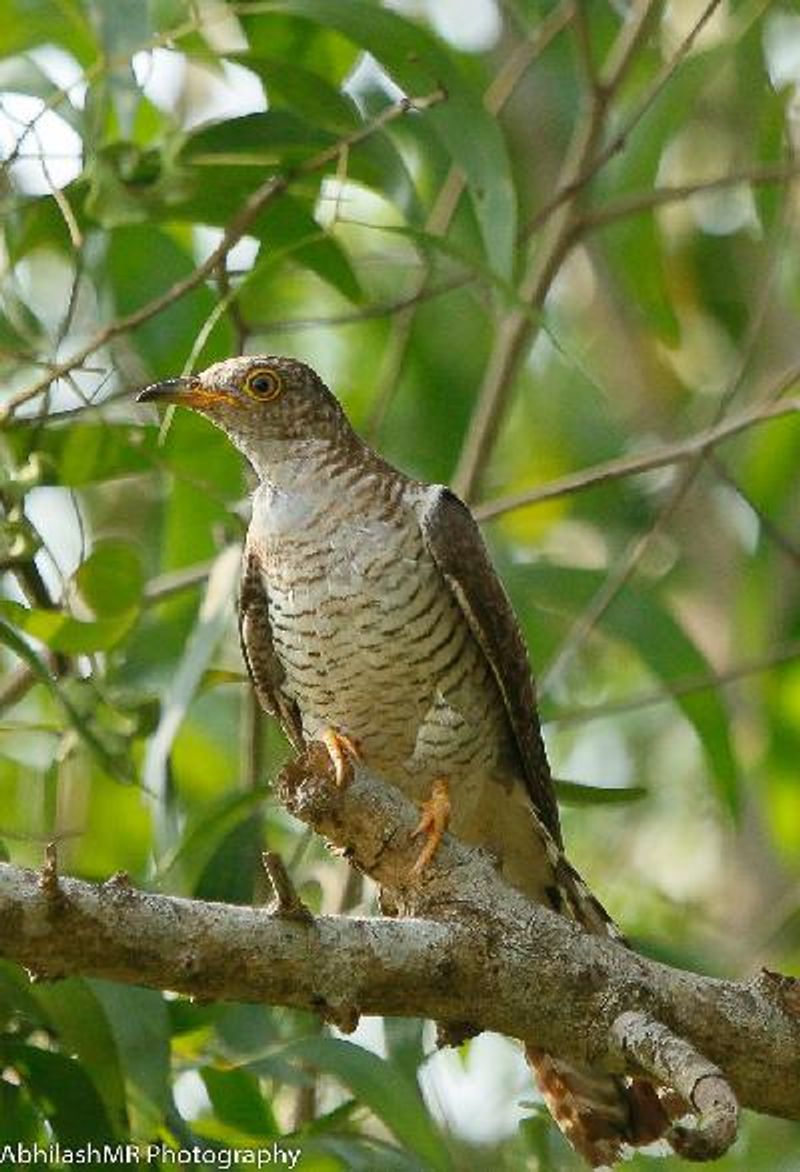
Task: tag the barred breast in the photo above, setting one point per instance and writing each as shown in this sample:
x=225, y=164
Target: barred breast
x=372, y=641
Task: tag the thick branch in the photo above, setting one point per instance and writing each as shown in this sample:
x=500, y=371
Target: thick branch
x=483, y=954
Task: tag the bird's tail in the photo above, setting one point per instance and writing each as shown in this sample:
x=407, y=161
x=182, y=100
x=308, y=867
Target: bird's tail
x=599, y=1113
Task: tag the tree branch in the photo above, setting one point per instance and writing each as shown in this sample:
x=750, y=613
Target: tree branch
x=482, y=954
x=686, y=449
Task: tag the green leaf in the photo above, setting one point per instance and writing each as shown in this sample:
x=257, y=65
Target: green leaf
x=576, y=793
x=286, y=226
x=63, y=633
x=203, y=839
x=114, y=765
x=404, y=1048
x=139, y=1025
x=238, y=1101
x=133, y=279
x=17, y=1000
x=83, y=452
x=73, y=1009
x=62, y=1091
x=27, y=24
x=214, y=614
x=307, y=94
x=393, y=1098
x=640, y=619
x=19, y=1121
x=111, y=579
x=26, y=653
x=261, y=139
x=419, y=63
x=231, y=873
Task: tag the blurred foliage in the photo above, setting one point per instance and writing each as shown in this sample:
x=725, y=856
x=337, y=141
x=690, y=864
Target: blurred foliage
x=132, y=134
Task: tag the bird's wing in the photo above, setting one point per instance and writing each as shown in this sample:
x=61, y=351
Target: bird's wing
x=258, y=652
x=455, y=542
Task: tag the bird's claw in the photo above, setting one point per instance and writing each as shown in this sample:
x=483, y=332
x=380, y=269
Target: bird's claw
x=433, y=822
x=343, y=751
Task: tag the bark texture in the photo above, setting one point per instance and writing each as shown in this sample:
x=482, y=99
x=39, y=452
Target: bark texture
x=467, y=949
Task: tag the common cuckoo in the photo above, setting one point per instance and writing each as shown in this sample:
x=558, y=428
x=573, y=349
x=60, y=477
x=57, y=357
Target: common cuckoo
x=372, y=619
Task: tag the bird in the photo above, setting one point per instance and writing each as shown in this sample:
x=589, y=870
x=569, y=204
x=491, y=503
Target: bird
x=372, y=619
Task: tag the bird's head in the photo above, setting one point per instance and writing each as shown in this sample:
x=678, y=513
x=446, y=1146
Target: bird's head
x=261, y=402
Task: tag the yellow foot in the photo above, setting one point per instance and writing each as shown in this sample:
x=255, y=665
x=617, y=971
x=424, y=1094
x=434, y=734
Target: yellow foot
x=343, y=751
x=433, y=823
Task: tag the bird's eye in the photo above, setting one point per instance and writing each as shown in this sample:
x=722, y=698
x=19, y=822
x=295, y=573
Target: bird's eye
x=264, y=384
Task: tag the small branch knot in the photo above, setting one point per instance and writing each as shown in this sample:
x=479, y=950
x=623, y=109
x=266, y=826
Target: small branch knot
x=780, y=988
x=454, y=1033
x=343, y=1015
x=307, y=781
x=48, y=876
x=287, y=902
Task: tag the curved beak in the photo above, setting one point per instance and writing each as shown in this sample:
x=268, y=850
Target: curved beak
x=171, y=390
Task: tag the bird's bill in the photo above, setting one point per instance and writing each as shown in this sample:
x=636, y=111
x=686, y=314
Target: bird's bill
x=186, y=391
x=171, y=390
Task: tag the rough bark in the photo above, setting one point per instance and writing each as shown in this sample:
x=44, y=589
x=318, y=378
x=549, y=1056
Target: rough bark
x=468, y=949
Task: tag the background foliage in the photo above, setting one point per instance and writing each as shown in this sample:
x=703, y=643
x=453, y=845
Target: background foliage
x=587, y=250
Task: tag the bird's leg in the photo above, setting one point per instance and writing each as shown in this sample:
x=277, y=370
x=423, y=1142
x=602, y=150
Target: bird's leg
x=343, y=751
x=433, y=823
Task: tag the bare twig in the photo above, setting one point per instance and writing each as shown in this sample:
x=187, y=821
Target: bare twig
x=684, y=687
x=287, y=902
x=366, y=313
x=565, y=191
x=676, y=453
x=646, y=201
x=176, y=581
x=15, y=685
x=519, y=325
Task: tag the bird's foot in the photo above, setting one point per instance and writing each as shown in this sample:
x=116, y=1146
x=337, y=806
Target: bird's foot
x=433, y=823
x=343, y=751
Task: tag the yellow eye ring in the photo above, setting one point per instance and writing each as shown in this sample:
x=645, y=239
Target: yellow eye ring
x=263, y=384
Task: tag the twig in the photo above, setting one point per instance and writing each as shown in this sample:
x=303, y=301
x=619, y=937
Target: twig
x=235, y=229
x=610, y=470
x=685, y=687
x=519, y=325
x=176, y=581
x=366, y=313
x=645, y=201
x=674, y=1063
x=15, y=685
x=565, y=191
x=108, y=64
x=287, y=902
x=48, y=876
